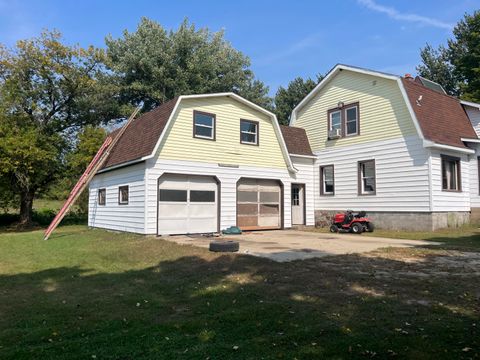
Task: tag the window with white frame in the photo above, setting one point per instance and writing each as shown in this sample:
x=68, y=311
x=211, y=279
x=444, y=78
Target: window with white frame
x=451, y=178
x=344, y=121
x=366, y=178
x=249, y=132
x=203, y=125
x=327, y=186
x=123, y=195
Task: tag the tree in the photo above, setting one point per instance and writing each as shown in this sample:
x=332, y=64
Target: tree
x=457, y=66
x=437, y=67
x=48, y=91
x=154, y=65
x=287, y=99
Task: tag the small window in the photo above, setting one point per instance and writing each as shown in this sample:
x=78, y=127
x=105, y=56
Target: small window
x=203, y=125
x=249, y=132
x=366, y=178
x=295, y=196
x=327, y=186
x=202, y=196
x=451, y=178
x=173, y=195
x=123, y=195
x=351, y=121
x=102, y=196
x=344, y=120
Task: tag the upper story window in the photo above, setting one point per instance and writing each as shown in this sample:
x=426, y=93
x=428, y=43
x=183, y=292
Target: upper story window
x=249, y=132
x=123, y=195
x=451, y=174
x=343, y=121
x=102, y=196
x=204, y=125
x=367, y=184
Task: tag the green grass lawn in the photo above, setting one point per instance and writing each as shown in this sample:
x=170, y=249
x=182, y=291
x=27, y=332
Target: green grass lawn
x=94, y=294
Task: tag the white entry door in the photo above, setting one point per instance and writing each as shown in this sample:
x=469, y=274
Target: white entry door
x=187, y=204
x=298, y=207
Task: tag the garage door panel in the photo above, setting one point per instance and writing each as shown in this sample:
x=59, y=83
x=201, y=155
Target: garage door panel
x=187, y=204
x=258, y=204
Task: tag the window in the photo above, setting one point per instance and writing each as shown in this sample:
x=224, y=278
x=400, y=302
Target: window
x=327, y=186
x=123, y=195
x=102, y=196
x=249, y=132
x=202, y=196
x=451, y=179
x=345, y=120
x=366, y=177
x=173, y=195
x=203, y=125
x=295, y=196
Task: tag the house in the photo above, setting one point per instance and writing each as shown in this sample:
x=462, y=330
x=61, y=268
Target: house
x=202, y=163
x=397, y=147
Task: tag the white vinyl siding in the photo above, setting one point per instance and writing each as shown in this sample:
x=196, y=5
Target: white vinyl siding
x=474, y=116
x=450, y=200
x=128, y=217
x=402, y=177
x=474, y=180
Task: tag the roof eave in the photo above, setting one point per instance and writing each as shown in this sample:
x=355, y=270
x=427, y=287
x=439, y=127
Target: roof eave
x=433, y=145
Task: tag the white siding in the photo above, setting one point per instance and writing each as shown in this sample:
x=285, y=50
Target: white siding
x=228, y=178
x=447, y=200
x=402, y=176
x=474, y=115
x=474, y=180
x=130, y=217
x=306, y=176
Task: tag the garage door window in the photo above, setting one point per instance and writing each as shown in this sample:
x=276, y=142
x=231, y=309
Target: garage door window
x=247, y=196
x=173, y=195
x=202, y=196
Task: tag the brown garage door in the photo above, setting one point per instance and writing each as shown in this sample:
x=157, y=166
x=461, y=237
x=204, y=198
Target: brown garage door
x=259, y=204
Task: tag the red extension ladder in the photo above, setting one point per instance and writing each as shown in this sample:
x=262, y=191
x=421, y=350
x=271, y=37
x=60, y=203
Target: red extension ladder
x=92, y=168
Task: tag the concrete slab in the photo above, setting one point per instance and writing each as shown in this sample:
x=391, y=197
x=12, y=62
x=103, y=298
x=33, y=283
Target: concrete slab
x=289, y=245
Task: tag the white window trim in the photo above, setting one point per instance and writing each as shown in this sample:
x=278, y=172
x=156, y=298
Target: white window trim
x=363, y=178
x=356, y=121
x=249, y=132
x=324, y=185
x=331, y=119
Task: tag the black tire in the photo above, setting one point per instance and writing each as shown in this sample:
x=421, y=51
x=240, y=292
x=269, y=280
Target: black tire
x=356, y=228
x=370, y=227
x=334, y=229
x=224, y=246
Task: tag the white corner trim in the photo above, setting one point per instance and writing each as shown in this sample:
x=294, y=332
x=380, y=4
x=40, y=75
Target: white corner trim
x=432, y=145
x=336, y=69
x=470, y=140
x=276, y=126
x=469, y=103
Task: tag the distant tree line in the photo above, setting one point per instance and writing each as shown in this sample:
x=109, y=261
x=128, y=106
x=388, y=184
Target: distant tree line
x=56, y=100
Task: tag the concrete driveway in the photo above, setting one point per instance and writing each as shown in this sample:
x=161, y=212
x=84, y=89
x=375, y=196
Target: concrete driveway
x=288, y=245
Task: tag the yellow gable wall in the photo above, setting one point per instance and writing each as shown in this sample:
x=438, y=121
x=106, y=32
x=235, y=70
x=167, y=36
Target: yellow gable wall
x=383, y=112
x=179, y=144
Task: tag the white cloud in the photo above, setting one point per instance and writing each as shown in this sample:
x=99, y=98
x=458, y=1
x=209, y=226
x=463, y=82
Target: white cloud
x=397, y=15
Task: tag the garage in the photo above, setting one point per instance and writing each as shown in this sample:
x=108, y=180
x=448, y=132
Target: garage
x=187, y=204
x=259, y=204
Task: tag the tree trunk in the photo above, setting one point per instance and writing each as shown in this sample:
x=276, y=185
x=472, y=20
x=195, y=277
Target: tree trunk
x=26, y=208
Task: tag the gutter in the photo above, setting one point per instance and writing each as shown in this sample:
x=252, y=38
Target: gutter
x=432, y=145
x=303, y=156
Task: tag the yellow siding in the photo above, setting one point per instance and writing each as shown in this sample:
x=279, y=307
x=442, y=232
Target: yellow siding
x=383, y=112
x=179, y=143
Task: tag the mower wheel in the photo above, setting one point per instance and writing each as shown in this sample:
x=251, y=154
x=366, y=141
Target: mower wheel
x=356, y=228
x=334, y=229
x=370, y=227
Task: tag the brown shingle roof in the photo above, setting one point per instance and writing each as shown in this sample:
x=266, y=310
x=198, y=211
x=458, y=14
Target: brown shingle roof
x=441, y=117
x=296, y=140
x=141, y=136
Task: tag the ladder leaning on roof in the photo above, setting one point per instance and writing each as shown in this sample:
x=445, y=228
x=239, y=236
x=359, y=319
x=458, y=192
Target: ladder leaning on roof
x=92, y=168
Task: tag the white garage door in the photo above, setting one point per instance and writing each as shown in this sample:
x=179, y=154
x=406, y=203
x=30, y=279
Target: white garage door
x=187, y=204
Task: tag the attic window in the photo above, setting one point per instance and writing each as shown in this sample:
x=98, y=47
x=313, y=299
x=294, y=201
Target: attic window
x=204, y=125
x=249, y=132
x=344, y=121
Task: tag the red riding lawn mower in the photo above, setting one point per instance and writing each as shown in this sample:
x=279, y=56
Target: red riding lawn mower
x=350, y=222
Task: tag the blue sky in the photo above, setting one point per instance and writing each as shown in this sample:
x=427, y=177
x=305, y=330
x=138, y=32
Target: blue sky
x=282, y=39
